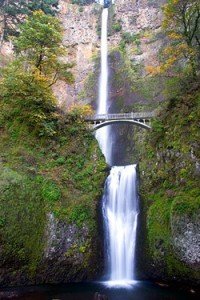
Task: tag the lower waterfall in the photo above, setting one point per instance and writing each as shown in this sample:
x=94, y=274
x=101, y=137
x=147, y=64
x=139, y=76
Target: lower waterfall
x=120, y=211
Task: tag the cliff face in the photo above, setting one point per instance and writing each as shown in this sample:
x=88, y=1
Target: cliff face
x=169, y=168
x=139, y=22
x=139, y=17
x=50, y=197
x=81, y=40
x=134, y=40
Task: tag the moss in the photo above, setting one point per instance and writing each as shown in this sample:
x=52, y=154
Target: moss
x=169, y=185
x=176, y=268
x=158, y=225
x=186, y=203
x=22, y=218
x=63, y=174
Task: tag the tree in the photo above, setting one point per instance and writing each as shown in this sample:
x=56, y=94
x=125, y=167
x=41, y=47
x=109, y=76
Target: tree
x=26, y=97
x=182, y=26
x=40, y=45
x=14, y=12
x=182, y=20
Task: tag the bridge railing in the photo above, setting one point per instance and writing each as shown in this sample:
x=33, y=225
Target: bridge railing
x=103, y=117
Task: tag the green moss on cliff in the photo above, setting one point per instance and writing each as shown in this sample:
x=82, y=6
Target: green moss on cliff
x=158, y=224
x=170, y=183
x=63, y=174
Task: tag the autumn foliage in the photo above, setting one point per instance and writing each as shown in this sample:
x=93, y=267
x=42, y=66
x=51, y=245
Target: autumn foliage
x=181, y=25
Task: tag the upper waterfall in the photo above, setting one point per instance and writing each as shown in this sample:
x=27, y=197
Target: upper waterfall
x=103, y=84
x=102, y=135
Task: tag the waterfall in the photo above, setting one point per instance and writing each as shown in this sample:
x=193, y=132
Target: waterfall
x=102, y=134
x=120, y=211
x=103, y=85
x=120, y=205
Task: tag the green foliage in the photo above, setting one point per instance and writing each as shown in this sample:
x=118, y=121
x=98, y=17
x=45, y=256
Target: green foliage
x=80, y=214
x=22, y=218
x=129, y=38
x=26, y=95
x=116, y=27
x=50, y=191
x=170, y=186
x=47, y=6
x=81, y=2
x=44, y=152
x=63, y=175
x=26, y=98
x=187, y=203
x=14, y=13
x=40, y=44
x=158, y=223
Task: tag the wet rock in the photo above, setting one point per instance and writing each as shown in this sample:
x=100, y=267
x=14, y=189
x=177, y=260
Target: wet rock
x=186, y=239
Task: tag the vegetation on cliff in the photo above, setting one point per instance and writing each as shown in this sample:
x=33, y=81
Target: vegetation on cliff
x=169, y=164
x=50, y=161
x=14, y=12
x=170, y=182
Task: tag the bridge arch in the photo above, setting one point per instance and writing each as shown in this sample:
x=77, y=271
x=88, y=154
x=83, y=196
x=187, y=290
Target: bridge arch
x=110, y=122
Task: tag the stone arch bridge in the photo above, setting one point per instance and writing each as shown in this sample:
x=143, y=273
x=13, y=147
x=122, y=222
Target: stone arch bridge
x=142, y=119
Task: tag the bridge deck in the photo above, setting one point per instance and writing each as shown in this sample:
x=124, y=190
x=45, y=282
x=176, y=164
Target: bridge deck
x=120, y=116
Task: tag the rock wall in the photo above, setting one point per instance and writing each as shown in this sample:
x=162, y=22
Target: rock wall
x=186, y=238
x=140, y=17
x=169, y=175
x=82, y=40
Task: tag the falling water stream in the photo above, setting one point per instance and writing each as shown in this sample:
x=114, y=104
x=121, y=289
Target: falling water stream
x=120, y=212
x=102, y=134
x=120, y=205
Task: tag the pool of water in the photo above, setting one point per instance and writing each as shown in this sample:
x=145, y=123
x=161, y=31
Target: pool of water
x=97, y=291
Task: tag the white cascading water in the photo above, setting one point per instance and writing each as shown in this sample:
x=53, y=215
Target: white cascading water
x=120, y=211
x=103, y=133
x=120, y=204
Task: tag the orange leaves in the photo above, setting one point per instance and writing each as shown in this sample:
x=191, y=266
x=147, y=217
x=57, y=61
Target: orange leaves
x=153, y=70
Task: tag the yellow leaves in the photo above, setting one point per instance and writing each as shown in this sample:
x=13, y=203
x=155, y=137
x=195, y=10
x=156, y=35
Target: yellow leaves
x=182, y=50
x=175, y=1
x=178, y=50
x=38, y=13
x=175, y=36
x=171, y=55
x=81, y=110
x=168, y=50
